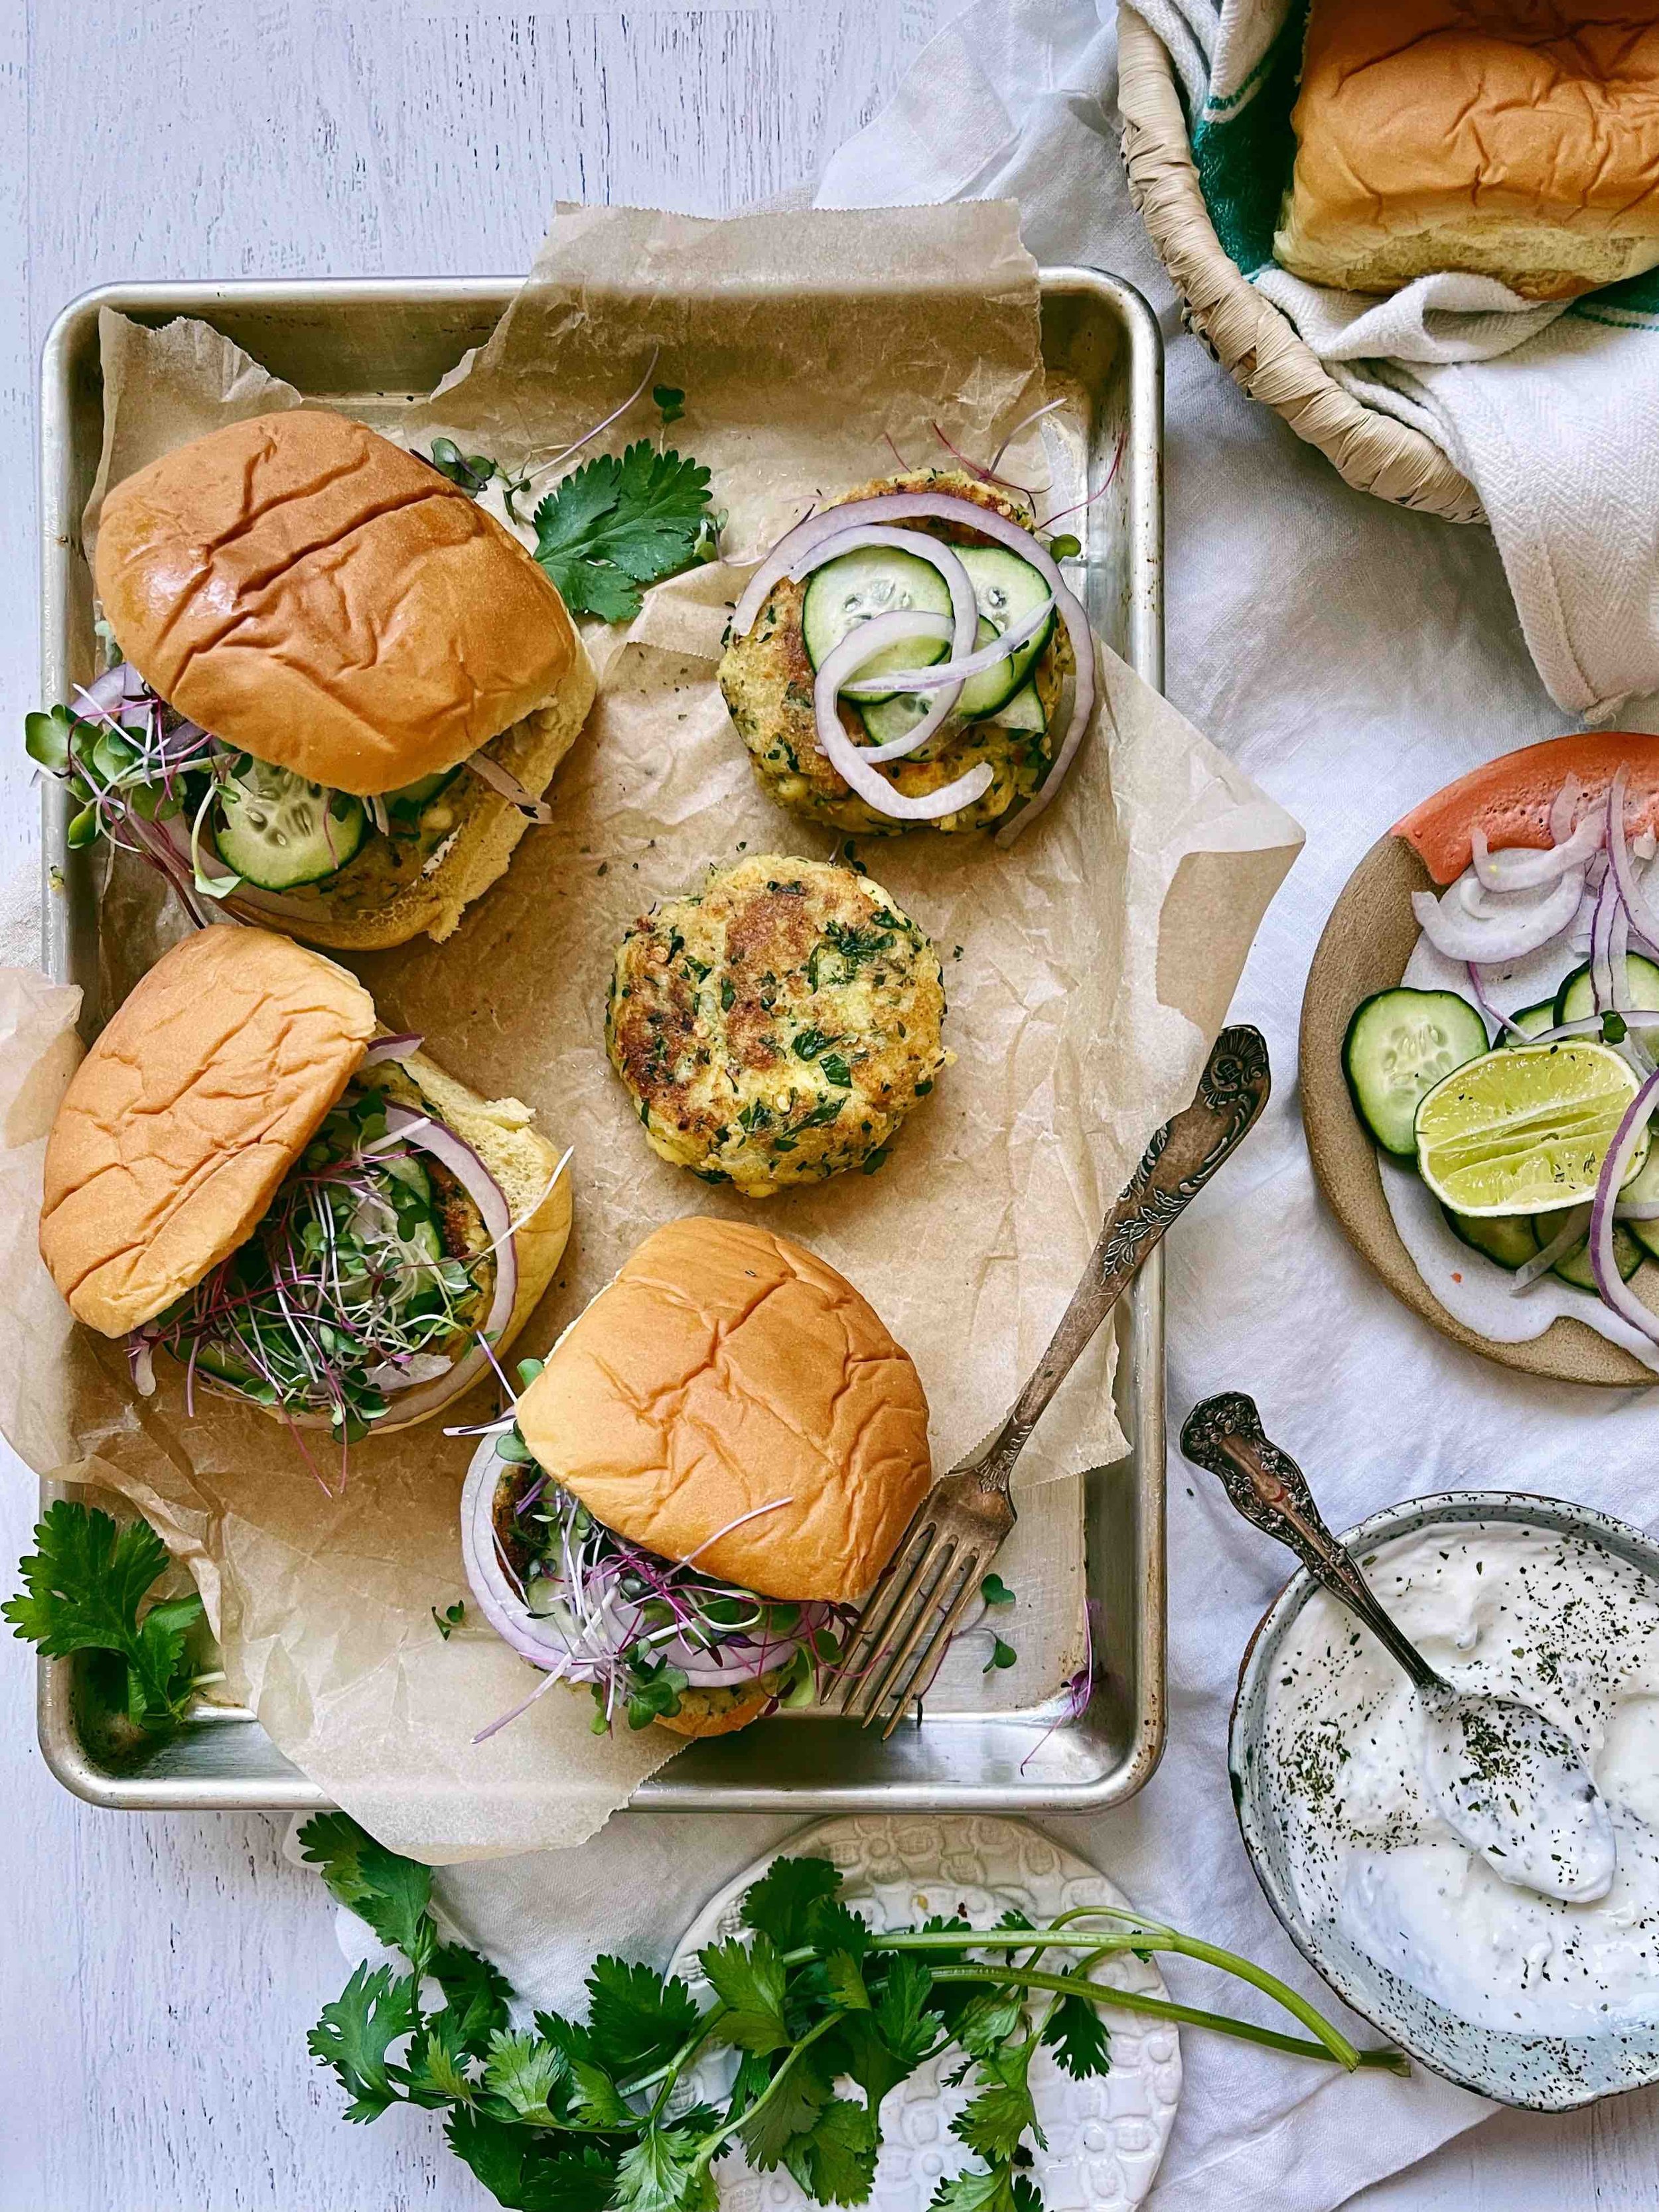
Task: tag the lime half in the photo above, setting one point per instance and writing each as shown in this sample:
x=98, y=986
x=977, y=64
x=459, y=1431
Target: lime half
x=1526, y=1130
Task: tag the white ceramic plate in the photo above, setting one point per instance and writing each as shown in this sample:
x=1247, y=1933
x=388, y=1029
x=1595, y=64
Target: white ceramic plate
x=1106, y=2137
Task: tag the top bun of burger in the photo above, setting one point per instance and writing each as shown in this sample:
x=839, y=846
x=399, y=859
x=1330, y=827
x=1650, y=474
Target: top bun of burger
x=1515, y=141
x=725, y=1369
x=205, y=1090
x=308, y=591
x=185, y=1114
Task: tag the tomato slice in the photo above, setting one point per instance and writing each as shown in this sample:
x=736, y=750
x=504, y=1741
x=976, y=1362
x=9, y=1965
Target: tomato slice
x=1510, y=798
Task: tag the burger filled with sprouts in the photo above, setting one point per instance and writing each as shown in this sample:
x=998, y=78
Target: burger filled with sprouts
x=250, y=1185
x=699, y=1484
x=339, y=686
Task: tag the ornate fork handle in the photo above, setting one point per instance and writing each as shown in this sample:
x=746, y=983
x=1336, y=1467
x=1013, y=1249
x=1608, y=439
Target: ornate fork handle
x=1175, y=1167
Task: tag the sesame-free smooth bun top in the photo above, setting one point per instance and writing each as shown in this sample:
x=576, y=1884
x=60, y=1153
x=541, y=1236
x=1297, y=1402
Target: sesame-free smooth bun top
x=725, y=1369
x=305, y=590
x=187, y=1114
x=1515, y=138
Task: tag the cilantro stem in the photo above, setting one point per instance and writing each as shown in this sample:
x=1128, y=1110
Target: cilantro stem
x=709, y=2147
x=1102, y=1994
x=1334, y=2043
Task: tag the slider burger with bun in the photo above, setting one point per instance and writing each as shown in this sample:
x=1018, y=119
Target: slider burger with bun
x=244, y=1177
x=344, y=686
x=710, y=1469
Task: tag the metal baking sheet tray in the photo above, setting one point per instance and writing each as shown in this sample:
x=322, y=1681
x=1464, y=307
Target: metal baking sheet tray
x=364, y=345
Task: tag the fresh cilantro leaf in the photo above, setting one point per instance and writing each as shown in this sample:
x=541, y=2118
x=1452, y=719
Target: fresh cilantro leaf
x=475, y=1996
x=1002, y=1655
x=595, y=2097
x=988, y=2021
x=846, y=1983
x=526, y=2173
x=663, y=2173
x=993, y=2122
x=356, y=2031
x=82, y=1588
x=835, y=2162
x=791, y=2109
x=973, y=2189
x=780, y=1903
x=613, y=525
x=749, y=1981
x=1079, y=2038
x=392, y=1894
x=654, y=1690
x=908, y=2027
x=860, y=2053
x=670, y=402
x=635, y=2017
x=523, y=2071
x=450, y=1618
x=996, y=1591
x=436, y=2068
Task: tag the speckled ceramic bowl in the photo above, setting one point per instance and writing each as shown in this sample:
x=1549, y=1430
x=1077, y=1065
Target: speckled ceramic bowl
x=1545, y=2073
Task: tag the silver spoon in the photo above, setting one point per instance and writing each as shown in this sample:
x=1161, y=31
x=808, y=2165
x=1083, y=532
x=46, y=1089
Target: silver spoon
x=1506, y=1780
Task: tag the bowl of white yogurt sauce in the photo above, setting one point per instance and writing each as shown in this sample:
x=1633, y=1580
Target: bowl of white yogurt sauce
x=1528, y=1999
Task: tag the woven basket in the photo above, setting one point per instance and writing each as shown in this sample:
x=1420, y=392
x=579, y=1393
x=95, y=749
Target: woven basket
x=1255, y=343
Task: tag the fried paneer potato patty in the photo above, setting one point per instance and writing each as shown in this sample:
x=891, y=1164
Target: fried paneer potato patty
x=767, y=679
x=776, y=1026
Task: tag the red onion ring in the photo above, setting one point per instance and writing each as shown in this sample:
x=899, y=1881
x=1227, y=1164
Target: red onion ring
x=1515, y=869
x=1637, y=905
x=500, y=779
x=391, y=1048
x=1622, y=1150
x=541, y=1641
x=852, y=763
x=1459, y=937
x=1570, y=1232
x=964, y=614
x=895, y=506
x=953, y=671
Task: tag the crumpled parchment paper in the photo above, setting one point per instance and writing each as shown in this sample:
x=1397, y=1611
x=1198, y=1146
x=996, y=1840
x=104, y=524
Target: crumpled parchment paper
x=1087, y=970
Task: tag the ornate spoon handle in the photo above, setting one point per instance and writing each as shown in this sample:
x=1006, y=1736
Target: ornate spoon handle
x=1176, y=1166
x=1225, y=1435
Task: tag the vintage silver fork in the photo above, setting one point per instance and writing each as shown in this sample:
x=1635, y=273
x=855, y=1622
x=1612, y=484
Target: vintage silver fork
x=955, y=1533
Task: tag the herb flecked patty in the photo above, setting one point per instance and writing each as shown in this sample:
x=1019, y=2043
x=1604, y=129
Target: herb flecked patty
x=767, y=679
x=776, y=1026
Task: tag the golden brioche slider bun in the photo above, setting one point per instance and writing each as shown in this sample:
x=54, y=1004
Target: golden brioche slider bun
x=1518, y=141
x=725, y=1369
x=205, y=1089
x=315, y=597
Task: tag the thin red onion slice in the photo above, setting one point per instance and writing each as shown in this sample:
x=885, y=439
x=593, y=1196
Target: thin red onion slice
x=1563, y=812
x=1620, y=1153
x=501, y=780
x=391, y=1048
x=1570, y=1232
x=896, y=506
x=899, y=628
x=953, y=671
x=1642, y=917
x=542, y=1641
x=1602, y=984
x=1461, y=936
x=964, y=607
x=852, y=763
x=1520, y=870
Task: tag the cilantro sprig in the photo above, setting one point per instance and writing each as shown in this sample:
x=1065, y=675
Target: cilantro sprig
x=823, y=2014
x=84, y=1588
x=616, y=524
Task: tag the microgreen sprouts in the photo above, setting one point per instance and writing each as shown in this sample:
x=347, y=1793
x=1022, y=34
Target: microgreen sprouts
x=345, y=1292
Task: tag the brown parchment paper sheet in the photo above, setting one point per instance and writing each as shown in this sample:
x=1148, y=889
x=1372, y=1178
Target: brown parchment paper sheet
x=802, y=342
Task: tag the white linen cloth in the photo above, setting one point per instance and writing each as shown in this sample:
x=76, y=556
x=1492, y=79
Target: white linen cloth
x=1351, y=657
x=1552, y=414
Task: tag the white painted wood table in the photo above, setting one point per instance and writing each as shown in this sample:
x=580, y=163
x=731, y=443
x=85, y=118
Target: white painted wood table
x=157, y=1975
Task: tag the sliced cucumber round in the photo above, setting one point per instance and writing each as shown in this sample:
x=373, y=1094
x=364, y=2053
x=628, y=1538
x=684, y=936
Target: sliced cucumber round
x=1510, y=1239
x=894, y=717
x=1642, y=1188
x=1024, y=711
x=1577, y=996
x=877, y=579
x=1574, y=1265
x=1531, y=1021
x=1008, y=591
x=1400, y=1044
x=278, y=830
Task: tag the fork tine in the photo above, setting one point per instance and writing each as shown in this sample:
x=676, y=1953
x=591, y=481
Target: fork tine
x=932, y=1658
x=930, y=1601
x=919, y=1587
x=884, y=1601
